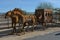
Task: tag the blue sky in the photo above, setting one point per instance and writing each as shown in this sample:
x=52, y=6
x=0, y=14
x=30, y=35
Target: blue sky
x=27, y=5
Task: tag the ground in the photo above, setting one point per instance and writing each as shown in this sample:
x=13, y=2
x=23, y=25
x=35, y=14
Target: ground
x=48, y=34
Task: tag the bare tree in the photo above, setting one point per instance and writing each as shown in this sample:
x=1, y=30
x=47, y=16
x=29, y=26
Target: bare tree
x=45, y=5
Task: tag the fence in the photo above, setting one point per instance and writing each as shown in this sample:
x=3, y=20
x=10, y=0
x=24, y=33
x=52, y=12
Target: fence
x=56, y=21
x=6, y=23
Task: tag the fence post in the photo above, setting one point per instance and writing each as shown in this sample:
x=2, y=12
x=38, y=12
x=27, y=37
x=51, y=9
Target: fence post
x=8, y=22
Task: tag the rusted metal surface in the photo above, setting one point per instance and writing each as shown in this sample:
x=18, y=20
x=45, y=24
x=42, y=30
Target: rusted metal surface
x=44, y=15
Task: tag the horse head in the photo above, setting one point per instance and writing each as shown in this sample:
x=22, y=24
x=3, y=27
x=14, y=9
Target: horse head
x=8, y=14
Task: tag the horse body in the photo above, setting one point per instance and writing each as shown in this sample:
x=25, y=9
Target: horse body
x=29, y=20
x=25, y=19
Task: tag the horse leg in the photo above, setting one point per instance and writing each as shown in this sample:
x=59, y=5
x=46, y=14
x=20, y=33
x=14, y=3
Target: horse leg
x=19, y=28
x=23, y=29
x=15, y=28
x=32, y=28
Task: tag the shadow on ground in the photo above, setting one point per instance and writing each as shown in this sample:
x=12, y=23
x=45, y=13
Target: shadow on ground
x=50, y=36
x=57, y=34
x=5, y=33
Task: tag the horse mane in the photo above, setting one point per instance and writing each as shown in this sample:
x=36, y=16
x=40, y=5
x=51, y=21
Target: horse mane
x=19, y=10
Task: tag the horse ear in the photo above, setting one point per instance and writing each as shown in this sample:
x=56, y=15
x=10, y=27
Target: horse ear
x=5, y=15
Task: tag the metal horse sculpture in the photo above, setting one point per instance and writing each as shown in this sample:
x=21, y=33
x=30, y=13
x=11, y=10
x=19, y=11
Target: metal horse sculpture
x=15, y=20
x=24, y=19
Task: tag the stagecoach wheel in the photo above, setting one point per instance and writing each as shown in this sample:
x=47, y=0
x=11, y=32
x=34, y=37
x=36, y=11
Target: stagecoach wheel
x=22, y=31
x=27, y=29
x=44, y=26
x=27, y=26
x=32, y=29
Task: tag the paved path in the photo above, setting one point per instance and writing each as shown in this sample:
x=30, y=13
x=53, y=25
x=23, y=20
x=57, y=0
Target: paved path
x=51, y=36
x=30, y=35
